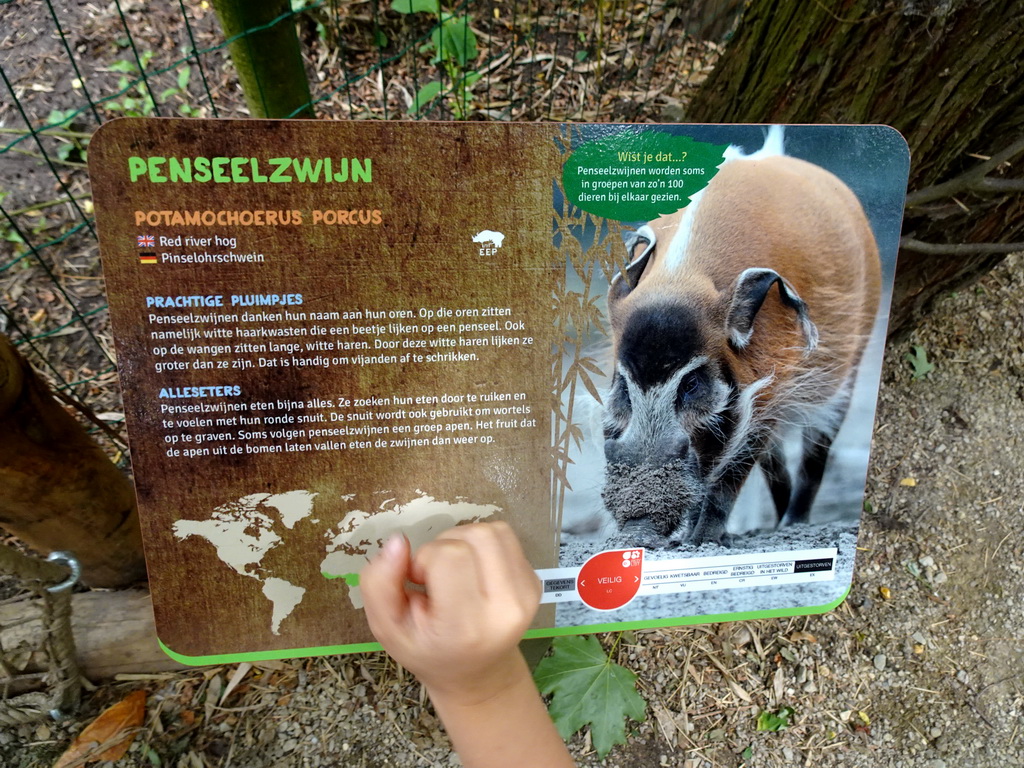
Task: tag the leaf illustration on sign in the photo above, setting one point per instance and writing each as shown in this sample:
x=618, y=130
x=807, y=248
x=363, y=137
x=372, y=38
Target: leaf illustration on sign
x=640, y=174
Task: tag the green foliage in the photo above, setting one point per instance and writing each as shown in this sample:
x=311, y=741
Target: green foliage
x=70, y=148
x=769, y=721
x=314, y=10
x=918, y=359
x=454, y=46
x=417, y=6
x=137, y=101
x=587, y=687
x=8, y=233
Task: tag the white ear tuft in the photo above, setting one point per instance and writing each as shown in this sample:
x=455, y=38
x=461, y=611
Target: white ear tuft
x=774, y=144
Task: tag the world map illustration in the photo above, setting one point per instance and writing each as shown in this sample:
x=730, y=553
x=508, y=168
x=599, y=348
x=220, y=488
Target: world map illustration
x=243, y=531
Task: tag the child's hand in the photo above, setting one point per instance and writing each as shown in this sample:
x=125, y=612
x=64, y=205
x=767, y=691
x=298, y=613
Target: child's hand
x=460, y=634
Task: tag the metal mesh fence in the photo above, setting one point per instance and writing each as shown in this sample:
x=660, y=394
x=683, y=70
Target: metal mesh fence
x=68, y=67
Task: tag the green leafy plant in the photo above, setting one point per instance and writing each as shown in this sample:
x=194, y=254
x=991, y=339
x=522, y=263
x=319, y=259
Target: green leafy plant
x=587, y=687
x=71, y=148
x=181, y=89
x=774, y=721
x=137, y=100
x=315, y=11
x=918, y=359
x=9, y=234
x=453, y=44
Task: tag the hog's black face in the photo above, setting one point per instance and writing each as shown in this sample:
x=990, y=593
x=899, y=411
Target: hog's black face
x=668, y=419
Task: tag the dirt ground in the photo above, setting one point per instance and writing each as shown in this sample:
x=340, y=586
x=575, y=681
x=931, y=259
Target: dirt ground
x=921, y=666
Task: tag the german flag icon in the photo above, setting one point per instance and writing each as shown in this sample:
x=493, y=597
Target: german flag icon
x=147, y=258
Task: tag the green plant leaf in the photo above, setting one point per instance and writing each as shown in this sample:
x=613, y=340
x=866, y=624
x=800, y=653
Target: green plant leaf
x=587, y=687
x=918, y=359
x=123, y=65
x=417, y=6
x=59, y=119
x=184, y=75
x=769, y=721
x=426, y=94
x=458, y=40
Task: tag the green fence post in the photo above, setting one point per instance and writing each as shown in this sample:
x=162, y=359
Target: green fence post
x=269, y=62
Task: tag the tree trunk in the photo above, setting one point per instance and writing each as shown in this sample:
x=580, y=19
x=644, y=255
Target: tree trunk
x=945, y=73
x=268, y=62
x=114, y=635
x=58, y=491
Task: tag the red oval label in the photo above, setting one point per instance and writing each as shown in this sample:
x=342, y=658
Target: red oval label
x=610, y=579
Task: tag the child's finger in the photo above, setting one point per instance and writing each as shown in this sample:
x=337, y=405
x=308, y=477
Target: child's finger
x=382, y=582
x=449, y=570
x=520, y=574
x=505, y=572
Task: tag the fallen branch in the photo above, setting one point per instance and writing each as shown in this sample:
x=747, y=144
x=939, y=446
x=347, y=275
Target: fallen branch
x=958, y=249
x=974, y=179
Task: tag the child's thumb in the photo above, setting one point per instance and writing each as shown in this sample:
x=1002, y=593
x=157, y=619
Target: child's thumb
x=382, y=583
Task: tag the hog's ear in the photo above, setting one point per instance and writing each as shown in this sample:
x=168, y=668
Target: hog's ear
x=639, y=246
x=752, y=287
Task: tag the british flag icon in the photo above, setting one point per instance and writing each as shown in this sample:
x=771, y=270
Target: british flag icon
x=145, y=241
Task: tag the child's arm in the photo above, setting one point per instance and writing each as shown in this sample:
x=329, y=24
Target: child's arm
x=460, y=637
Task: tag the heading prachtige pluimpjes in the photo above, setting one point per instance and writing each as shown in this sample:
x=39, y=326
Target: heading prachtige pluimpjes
x=216, y=300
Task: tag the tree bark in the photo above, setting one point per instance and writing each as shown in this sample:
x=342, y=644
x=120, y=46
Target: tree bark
x=268, y=62
x=945, y=73
x=114, y=634
x=58, y=491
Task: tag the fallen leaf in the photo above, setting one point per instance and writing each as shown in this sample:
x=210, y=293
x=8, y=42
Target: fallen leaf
x=908, y=481
x=802, y=637
x=109, y=735
x=774, y=721
x=589, y=688
x=240, y=672
x=735, y=687
x=885, y=592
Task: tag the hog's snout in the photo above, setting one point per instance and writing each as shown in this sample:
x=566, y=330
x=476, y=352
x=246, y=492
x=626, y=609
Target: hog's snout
x=660, y=497
x=667, y=449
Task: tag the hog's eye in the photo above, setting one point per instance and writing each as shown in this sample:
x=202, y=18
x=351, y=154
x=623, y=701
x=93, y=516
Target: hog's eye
x=691, y=388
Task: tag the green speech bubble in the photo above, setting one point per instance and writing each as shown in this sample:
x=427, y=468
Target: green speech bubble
x=639, y=174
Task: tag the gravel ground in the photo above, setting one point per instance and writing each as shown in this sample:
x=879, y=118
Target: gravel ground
x=921, y=666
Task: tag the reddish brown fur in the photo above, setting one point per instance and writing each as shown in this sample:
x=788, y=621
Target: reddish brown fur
x=788, y=215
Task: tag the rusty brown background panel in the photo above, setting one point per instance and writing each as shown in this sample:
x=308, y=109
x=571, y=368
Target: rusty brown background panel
x=435, y=186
